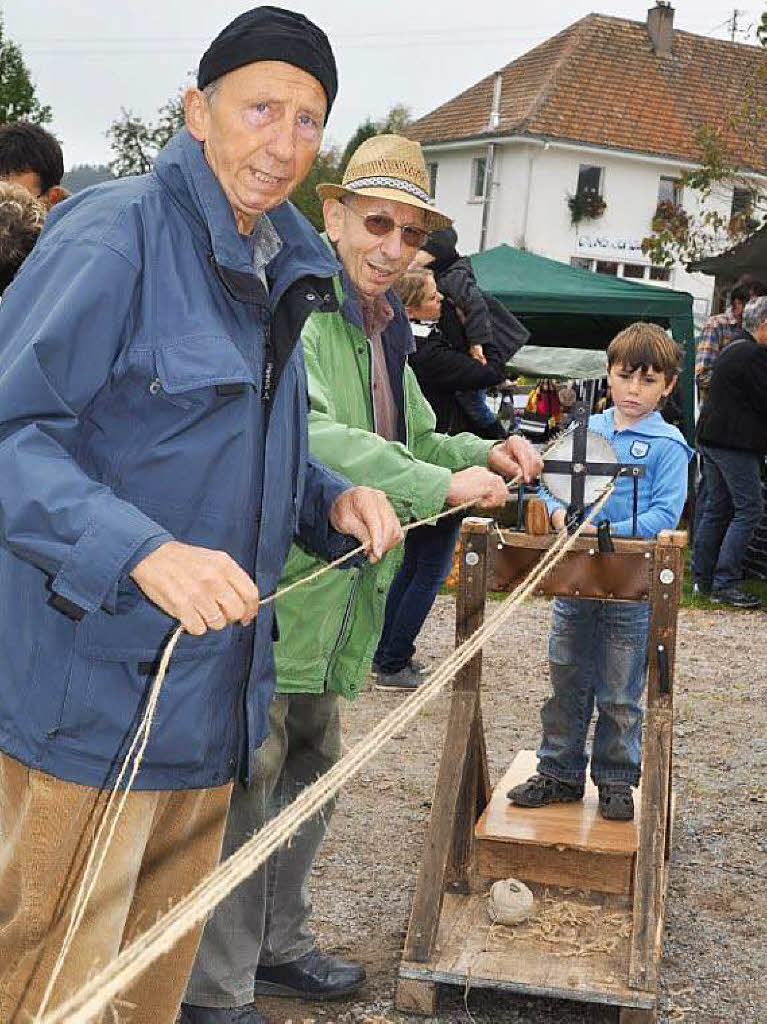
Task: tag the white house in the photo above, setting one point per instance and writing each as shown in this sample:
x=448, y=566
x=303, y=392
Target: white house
x=608, y=108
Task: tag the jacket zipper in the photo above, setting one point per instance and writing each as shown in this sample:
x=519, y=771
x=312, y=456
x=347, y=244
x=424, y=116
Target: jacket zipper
x=371, y=372
x=344, y=624
x=268, y=378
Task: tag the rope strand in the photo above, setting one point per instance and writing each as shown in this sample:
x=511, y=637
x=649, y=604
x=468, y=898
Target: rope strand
x=136, y=750
x=94, y=996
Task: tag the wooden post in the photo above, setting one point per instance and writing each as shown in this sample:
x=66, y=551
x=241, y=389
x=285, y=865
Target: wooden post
x=649, y=882
x=462, y=777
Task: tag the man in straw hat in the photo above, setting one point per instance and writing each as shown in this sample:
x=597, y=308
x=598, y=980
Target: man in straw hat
x=370, y=421
x=153, y=453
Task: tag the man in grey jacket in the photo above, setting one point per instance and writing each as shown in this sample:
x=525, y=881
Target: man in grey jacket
x=153, y=452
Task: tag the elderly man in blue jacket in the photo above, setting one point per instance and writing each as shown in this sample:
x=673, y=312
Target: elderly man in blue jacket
x=154, y=467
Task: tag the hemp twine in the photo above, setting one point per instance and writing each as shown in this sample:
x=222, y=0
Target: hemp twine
x=138, y=746
x=88, y=1001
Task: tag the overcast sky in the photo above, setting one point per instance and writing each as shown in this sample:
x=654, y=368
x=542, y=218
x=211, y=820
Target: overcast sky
x=89, y=58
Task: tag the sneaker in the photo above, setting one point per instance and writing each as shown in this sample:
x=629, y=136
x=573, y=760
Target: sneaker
x=735, y=598
x=616, y=801
x=414, y=663
x=540, y=790
x=701, y=590
x=407, y=678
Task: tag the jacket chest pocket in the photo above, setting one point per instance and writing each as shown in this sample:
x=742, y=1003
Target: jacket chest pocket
x=201, y=370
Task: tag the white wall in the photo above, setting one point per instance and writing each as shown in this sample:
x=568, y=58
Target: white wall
x=529, y=205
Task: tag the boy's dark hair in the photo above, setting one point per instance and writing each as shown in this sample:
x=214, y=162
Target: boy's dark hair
x=645, y=347
x=748, y=287
x=28, y=147
x=21, y=218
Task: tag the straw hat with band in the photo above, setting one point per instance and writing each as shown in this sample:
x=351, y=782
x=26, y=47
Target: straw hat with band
x=388, y=167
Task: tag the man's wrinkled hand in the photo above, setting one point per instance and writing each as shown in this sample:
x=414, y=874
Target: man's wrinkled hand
x=365, y=513
x=485, y=489
x=516, y=456
x=202, y=588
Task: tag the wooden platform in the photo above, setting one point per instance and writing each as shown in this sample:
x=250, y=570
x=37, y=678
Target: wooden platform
x=471, y=951
x=568, y=845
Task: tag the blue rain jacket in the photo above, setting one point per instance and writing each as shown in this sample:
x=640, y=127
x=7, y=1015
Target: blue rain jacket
x=149, y=390
x=661, y=449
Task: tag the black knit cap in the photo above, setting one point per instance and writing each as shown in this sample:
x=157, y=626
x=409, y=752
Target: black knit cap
x=271, y=33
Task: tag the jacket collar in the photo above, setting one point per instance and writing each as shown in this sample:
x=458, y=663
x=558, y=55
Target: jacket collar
x=651, y=426
x=184, y=171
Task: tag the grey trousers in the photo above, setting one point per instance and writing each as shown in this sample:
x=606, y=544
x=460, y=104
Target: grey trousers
x=265, y=919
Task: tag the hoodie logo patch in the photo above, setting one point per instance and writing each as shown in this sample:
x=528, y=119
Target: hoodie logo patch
x=639, y=449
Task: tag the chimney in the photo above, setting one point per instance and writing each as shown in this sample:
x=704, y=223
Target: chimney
x=660, y=27
x=495, y=110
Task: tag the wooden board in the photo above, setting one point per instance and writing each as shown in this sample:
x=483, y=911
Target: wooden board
x=467, y=953
x=562, y=844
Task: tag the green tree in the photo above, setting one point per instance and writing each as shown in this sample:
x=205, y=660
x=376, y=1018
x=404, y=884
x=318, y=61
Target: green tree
x=396, y=122
x=366, y=131
x=18, y=101
x=83, y=175
x=736, y=140
x=136, y=143
x=326, y=168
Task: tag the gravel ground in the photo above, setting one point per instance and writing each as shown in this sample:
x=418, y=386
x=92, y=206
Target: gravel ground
x=714, y=966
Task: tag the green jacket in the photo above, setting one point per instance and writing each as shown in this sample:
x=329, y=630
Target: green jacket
x=329, y=629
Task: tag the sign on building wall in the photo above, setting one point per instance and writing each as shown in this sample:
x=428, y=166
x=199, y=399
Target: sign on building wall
x=602, y=245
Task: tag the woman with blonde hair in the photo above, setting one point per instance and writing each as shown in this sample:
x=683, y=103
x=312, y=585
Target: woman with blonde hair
x=442, y=372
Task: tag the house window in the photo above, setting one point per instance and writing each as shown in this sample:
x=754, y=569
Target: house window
x=670, y=191
x=589, y=180
x=432, y=169
x=581, y=262
x=634, y=270
x=660, y=274
x=478, y=173
x=607, y=267
x=742, y=201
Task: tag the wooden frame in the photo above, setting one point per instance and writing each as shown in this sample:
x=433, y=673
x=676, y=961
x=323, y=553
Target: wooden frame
x=444, y=941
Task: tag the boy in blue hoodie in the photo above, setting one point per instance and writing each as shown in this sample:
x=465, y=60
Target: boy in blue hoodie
x=598, y=649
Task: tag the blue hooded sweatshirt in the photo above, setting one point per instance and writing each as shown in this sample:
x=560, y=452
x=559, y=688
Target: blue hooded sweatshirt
x=150, y=389
x=661, y=449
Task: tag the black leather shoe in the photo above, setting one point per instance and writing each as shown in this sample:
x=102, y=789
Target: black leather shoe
x=221, y=1015
x=313, y=976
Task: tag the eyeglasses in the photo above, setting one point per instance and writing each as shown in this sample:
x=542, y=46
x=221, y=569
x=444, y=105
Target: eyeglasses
x=380, y=224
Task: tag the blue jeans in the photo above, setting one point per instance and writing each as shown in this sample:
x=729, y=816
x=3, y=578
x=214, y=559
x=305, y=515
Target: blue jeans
x=428, y=556
x=597, y=653
x=475, y=406
x=731, y=514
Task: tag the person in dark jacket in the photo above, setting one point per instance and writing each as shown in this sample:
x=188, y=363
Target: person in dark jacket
x=732, y=437
x=444, y=368
x=440, y=371
x=153, y=453
x=471, y=321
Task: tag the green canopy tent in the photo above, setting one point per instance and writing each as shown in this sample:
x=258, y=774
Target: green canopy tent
x=568, y=307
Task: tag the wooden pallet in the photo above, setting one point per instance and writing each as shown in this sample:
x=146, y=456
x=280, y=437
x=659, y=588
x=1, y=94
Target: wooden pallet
x=449, y=939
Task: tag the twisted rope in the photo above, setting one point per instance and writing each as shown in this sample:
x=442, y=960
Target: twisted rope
x=95, y=860
x=88, y=1002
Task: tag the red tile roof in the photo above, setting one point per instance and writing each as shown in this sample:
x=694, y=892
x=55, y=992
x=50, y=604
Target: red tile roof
x=599, y=82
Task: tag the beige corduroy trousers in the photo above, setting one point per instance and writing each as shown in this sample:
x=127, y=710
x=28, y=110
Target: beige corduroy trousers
x=165, y=843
